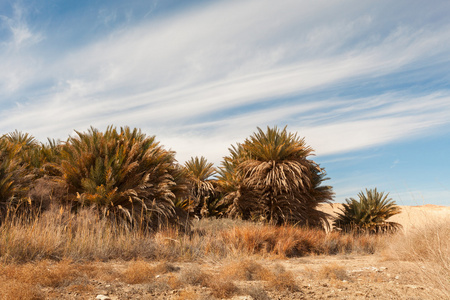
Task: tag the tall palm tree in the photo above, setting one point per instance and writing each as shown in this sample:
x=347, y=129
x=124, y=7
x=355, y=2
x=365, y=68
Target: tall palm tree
x=368, y=214
x=269, y=177
x=123, y=173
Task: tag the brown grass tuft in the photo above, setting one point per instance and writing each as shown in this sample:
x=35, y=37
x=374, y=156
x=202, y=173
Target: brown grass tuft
x=333, y=272
x=194, y=276
x=245, y=270
x=280, y=279
x=222, y=287
x=139, y=272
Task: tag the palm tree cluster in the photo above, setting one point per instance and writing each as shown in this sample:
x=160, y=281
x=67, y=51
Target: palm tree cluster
x=127, y=176
x=368, y=214
x=123, y=174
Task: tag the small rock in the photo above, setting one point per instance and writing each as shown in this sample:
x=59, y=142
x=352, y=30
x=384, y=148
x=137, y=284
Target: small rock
x=102, y=297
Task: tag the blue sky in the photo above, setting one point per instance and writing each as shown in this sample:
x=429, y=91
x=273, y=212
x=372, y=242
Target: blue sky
x=367, y=83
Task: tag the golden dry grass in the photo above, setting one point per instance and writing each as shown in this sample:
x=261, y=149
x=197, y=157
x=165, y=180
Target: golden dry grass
x=59, y=234
x=428, y=246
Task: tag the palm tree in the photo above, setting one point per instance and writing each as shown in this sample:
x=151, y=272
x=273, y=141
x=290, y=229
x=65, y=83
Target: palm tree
x=124, y=174
x=200, y=174
x=14, y=179
x=269, y=177
x=32, y=154
x=369, y=214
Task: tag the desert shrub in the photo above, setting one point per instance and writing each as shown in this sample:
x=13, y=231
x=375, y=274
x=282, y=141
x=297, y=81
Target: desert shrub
x=270, y=178
x=369, y=214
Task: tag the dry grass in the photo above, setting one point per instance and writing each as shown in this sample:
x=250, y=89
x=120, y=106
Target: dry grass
x=16, y=289
x=44, y=273
x=59, y=234
x=428, y=246
x=290, y=241
x=25, y=281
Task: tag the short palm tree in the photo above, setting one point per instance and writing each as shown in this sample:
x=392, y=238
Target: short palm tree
x=368, y=214
x=269, y=177
x=32, y=154
x=123, y=173
x=200, y=175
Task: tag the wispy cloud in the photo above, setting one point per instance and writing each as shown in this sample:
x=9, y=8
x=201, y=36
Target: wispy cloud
x=204, y=78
